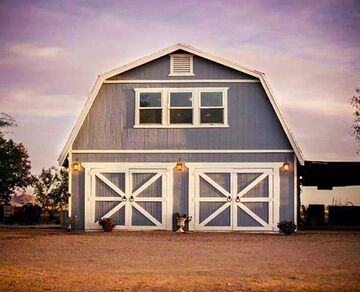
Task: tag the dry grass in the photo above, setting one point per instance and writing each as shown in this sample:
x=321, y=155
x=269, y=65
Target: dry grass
x=55, y=260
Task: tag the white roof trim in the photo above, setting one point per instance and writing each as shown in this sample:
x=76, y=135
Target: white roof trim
x=68, y=146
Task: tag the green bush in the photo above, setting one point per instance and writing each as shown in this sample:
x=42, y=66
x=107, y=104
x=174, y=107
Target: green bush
x=287, y=227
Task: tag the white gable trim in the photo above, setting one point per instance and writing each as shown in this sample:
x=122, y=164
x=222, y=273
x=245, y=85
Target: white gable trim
x=169, y=50
x=174, y=48
x=282, y=119
x=127, y=81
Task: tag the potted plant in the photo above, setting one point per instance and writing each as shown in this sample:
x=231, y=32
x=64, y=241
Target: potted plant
x=107, y=224
x=181, y=220
x=70, y=220
x=287, y=227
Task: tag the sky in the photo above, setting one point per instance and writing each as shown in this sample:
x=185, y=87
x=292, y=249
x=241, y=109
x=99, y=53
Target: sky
x=51, y=53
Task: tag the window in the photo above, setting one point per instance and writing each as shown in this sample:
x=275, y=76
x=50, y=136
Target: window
x=181, y=111
x=181, y=107
x=181, y=65
x=211, y=108
x=150, y=109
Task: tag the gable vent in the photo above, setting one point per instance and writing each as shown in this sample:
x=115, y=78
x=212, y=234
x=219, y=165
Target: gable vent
x=181, y=65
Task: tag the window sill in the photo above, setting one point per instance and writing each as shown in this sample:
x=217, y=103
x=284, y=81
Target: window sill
x=180, y=126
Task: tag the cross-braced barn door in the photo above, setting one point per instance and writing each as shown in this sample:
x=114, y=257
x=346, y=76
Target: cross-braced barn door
x=134, y=198
x=253, y=199
x=107, y=197
x=213, y=200
x=147, y=201
x=234, y=198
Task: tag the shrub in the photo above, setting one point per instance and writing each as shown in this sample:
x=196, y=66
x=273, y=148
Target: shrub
x=287, y=227
x=107, y=224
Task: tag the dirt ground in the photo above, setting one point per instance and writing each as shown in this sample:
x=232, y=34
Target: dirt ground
x=167, y=261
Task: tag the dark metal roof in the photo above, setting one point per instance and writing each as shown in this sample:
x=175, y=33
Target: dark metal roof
x=326, y=175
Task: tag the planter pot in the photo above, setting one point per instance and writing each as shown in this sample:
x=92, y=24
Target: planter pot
x=181, y=221
x=108, y=229
x=107, y=224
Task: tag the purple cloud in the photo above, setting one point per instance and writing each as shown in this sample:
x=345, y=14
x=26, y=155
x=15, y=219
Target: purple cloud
x=52, y=51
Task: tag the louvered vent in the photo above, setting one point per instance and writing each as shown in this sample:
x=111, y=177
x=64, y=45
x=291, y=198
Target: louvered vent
x=181, y=64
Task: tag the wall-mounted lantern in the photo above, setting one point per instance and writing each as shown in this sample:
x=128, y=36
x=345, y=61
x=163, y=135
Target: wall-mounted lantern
x=286, y=166
x=76, y=166
x=180, y=165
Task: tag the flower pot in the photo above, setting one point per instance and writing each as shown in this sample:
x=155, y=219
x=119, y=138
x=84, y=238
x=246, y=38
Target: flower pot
x=107, y=229
x=107, y=224
x=181, y=221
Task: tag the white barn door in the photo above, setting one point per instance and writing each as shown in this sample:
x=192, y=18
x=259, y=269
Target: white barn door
x=134, y=197
x=254, y=202
x=239, y=197
x=212, y=200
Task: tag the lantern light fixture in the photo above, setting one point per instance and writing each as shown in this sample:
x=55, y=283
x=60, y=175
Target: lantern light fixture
x=180, y=165
x=76, y=166
x=286, y=166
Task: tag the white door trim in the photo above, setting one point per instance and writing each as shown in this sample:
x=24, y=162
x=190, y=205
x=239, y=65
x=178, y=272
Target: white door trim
x=268, y=168
x=94, y=169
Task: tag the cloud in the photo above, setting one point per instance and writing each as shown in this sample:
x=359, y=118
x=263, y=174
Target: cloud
x=34, y=103
x=318, y=107
x=34, y=50
x=51, y=53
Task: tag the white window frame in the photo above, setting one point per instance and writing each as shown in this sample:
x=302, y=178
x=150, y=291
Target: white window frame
x=172, y=73
x=138, y=108
x=165, y=102
x=169, y=108
x=223, y=107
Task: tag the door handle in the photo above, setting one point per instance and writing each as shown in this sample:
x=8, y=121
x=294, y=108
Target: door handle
x=229, y=198
x=124, y=199
x=131, y=199
x=237, y=200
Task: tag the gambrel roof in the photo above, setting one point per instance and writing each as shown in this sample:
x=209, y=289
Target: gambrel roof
x=164, y=52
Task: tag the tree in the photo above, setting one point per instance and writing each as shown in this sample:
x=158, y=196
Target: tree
x=14, y=163
x=6, y=121
x=355, y=102
x=51, y=190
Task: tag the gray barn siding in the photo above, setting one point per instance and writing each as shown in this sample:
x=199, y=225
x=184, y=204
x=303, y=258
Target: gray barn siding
x=252, y=125
x=160, y=69
x=78, y=200
x=180, y=187
x=252, y=122
x=181, y=193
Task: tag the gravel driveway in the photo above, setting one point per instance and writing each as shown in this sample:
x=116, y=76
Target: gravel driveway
x=56, y=260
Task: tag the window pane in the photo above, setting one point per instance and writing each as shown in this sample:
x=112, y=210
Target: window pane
x=150, y=116
x=211, y=99
x=179, y=99
x=212, y=116
x=150, y=99
x=181, y=116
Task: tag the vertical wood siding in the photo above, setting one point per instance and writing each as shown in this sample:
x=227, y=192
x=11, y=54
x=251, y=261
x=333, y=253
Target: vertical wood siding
x=252, y=123
x=180, y=194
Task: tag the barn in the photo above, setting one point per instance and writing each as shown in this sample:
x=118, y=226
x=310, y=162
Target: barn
x=184, y=131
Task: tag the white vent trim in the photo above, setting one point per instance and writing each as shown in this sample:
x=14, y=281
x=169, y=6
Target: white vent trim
x=181, y=65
